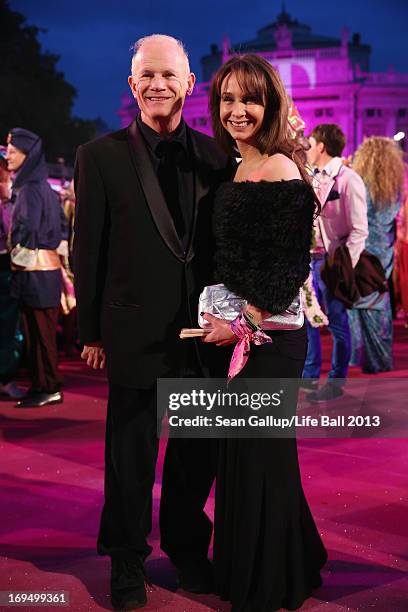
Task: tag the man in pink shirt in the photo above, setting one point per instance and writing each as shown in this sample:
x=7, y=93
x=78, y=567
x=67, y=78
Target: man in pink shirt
x=343, y=221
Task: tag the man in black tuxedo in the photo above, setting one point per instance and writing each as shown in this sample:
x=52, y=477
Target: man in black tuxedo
x=142, y=254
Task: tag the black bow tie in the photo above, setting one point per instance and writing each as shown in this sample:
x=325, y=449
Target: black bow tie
x=169, y=148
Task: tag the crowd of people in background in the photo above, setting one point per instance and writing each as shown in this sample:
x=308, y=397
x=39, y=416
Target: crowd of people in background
x=364, y=206
x=353, y=254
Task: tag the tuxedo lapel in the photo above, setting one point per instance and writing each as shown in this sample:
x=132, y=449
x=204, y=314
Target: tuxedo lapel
x=201, y=185
x=324, y=189
x=152, y=191
x=201, y=170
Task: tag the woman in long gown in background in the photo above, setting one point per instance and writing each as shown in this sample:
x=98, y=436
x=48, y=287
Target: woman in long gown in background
x=379, y=162
x=267, y=550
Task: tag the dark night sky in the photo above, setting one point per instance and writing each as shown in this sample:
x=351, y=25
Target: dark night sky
x=93, y=36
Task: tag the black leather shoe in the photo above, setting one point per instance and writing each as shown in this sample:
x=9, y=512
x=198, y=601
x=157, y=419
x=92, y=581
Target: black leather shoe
x=128, y=585
x=39, y=399
x=196, y=577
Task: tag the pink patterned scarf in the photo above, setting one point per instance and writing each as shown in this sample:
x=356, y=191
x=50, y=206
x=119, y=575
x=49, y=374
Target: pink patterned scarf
x=245, y=334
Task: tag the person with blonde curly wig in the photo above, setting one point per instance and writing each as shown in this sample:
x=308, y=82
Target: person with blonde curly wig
x=379, y=162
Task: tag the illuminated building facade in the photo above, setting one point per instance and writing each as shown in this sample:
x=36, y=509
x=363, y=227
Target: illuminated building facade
x=329, y=79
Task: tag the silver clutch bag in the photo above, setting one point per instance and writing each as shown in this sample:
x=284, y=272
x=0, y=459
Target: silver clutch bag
x=222, y=303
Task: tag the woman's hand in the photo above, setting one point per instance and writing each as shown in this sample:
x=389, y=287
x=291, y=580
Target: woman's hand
x=220, y=333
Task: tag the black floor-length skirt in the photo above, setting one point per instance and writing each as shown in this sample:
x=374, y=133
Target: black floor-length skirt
x=267, y=550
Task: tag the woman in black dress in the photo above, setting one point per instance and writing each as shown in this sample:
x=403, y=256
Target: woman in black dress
x=267, y=550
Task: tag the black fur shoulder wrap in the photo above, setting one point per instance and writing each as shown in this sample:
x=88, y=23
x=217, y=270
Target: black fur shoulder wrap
x=263, y=236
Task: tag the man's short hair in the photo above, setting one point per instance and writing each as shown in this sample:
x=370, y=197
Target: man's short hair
x=332, y=136
x=139, y=43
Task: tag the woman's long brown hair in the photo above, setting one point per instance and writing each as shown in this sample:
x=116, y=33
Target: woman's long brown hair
x=259, y=79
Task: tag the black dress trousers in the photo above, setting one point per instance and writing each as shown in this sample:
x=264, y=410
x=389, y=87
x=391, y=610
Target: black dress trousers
x=40, y=332
x=130, y=459
x=130, y=462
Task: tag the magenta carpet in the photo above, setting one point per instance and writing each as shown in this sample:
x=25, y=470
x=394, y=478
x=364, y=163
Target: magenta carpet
x=51, y=493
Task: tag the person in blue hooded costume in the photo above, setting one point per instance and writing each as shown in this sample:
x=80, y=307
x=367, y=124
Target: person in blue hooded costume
x=37, y=230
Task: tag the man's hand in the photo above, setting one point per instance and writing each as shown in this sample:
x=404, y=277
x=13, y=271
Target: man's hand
x=221, y=332
x=94, y=355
